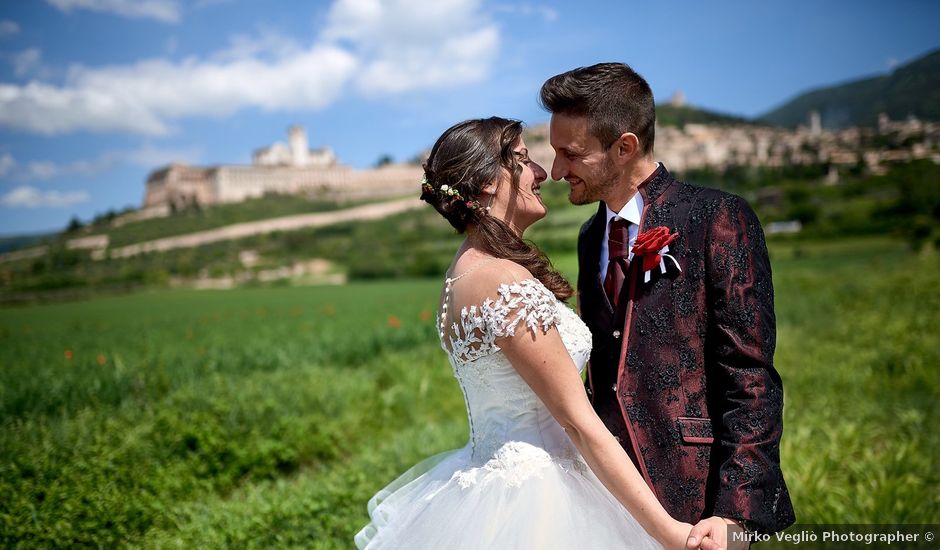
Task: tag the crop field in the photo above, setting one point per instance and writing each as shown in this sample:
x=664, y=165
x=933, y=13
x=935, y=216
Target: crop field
x=265, y=417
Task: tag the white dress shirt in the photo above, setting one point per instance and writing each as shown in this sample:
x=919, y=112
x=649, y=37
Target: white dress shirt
x=630, y=212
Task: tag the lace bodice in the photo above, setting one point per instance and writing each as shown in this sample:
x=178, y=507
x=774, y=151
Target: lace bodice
x=508, y=421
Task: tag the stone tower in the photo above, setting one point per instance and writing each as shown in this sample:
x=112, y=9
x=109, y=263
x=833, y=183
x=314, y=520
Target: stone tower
x=297, y=139
x=815, y=123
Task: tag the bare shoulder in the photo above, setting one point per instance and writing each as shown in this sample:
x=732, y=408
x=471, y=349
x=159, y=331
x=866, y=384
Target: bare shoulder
x=487, y=279
x=496, y=271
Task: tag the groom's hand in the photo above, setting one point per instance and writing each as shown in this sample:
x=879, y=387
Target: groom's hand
x=712, y=534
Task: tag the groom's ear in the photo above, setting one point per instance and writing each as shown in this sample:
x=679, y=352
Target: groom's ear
x=626, y=148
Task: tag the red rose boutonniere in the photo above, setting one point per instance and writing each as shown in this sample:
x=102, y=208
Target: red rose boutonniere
x=652, y=246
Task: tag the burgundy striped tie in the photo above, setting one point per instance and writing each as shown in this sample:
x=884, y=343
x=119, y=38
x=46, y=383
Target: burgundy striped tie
x=618, y=245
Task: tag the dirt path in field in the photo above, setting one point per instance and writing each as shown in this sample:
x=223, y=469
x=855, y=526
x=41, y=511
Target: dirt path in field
x=248, y=229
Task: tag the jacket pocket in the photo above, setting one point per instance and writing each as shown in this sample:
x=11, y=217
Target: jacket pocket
x=696, y=431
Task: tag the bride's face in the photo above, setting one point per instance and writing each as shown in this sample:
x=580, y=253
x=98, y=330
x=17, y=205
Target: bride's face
x=520, y=205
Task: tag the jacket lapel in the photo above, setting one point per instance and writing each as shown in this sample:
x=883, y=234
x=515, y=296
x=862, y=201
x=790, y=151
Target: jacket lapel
x=652, y=191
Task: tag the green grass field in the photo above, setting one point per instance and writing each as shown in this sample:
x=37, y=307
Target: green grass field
x=189, y=221
x=267, y=417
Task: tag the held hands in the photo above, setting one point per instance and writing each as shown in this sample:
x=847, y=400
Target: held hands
x=713, y=534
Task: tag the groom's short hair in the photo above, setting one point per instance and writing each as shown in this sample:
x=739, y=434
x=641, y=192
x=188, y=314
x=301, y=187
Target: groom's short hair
x=613, y=97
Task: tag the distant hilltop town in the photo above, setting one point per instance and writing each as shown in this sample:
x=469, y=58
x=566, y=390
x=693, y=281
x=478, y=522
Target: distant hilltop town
x=291, y=168
x=699, y=146
x=696, y=146
x=294, y=168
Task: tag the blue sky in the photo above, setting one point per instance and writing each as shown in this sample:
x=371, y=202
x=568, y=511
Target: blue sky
x=94, y=94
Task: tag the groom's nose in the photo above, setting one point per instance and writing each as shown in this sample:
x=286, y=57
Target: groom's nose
x=559, y=168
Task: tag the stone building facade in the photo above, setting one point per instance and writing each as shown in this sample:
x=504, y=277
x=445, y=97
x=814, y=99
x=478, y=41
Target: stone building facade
x=285, y=169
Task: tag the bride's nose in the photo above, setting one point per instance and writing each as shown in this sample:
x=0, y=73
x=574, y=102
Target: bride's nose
x=539, y=172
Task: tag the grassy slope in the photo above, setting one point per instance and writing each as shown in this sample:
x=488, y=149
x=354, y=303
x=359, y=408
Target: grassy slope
x=269, y=206
x=269, y=416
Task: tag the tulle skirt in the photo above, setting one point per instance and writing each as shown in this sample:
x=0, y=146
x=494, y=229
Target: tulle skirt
x=522, y=498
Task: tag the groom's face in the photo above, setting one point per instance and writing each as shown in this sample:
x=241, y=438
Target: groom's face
x=581, y=160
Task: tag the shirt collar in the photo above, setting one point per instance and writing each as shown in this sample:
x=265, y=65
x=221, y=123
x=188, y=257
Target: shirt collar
x=630, y=211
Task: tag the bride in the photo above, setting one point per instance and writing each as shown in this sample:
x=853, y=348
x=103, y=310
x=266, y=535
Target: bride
x=540, y=470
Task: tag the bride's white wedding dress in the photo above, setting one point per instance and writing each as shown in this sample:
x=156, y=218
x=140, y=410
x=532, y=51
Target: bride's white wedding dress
x=519, y=483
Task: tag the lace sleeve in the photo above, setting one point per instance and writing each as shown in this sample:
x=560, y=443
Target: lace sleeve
x=527, y=302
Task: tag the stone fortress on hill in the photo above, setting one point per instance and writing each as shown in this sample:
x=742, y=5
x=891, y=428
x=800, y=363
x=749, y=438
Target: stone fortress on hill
x=291, y=168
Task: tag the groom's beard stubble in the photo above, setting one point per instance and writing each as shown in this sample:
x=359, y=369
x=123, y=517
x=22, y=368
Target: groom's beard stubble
x=606, y=180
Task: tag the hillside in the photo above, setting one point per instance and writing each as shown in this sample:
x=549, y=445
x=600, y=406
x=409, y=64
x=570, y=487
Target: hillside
x=668, y=114
x=15, y=242
x=912, y=89
x=215, y=216
x=905, y=202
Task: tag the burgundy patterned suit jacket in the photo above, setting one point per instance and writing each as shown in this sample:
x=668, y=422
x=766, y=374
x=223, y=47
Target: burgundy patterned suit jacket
x=683, y=374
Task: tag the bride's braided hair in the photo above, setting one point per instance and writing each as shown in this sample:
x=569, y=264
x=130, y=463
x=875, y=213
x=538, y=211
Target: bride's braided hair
x=464, y=160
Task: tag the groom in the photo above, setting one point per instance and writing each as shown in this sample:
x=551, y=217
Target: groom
x=682, y=366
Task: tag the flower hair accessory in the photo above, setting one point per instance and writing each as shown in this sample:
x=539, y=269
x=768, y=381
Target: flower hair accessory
x=446, y=191
x=652, y=246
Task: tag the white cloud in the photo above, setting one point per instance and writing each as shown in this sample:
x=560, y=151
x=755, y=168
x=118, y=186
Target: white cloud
x=26, y=61
x=26, y=196
x=167, y=11
x=8, y=27
x=42, y=170
x=547, y=13
x=415, y=44
x=146, y=156
x=267, y=44
x=47, y=109
x=45, y=170
x=380, y=46
x=143, y=98
x=7, y=163
x=149, y=156
x=207, y=3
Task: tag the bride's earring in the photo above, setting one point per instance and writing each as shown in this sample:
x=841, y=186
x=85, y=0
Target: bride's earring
x=490, y=202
